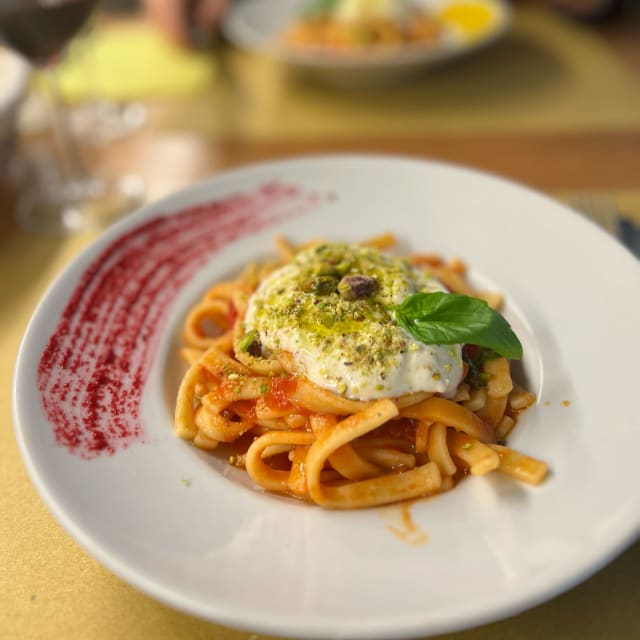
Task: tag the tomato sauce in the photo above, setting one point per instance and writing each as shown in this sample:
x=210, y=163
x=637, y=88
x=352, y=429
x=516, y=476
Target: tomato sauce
x=279, y=392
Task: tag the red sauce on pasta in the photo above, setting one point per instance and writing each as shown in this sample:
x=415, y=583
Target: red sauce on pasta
x=93, y=370
x=280, y=390
x=245, y=409
x=233, y=315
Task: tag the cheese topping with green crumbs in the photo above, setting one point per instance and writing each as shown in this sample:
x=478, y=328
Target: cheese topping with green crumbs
x=332, y=309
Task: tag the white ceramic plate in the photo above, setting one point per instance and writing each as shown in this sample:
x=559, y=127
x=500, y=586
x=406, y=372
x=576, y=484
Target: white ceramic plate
x=181, y=526
x=257, y=25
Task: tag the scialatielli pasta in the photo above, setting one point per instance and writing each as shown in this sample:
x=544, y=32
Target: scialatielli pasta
x=320, y=375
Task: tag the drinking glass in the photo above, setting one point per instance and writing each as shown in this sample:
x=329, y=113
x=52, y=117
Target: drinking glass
x=60, y=194
x=96, y=118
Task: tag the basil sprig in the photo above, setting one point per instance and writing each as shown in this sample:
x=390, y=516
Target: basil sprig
x=453, y=318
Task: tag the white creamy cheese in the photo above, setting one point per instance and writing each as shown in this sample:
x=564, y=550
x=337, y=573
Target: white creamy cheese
x=352, y=347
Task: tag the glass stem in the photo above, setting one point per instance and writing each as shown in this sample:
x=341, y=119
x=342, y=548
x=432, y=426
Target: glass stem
x=69, y=154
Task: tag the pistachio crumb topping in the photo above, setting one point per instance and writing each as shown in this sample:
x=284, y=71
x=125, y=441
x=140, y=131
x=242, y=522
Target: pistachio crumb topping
x=332, y=308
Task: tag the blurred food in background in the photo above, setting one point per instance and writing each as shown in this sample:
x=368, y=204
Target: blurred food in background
x=357, y=24
x=367, y=25
x=355, y=44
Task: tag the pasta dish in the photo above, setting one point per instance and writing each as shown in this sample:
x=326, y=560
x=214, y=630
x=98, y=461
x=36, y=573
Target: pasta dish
x=349, y=377
x=353, y=25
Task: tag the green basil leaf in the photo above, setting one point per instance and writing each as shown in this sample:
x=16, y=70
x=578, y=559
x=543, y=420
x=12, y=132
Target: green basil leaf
x=453, y=318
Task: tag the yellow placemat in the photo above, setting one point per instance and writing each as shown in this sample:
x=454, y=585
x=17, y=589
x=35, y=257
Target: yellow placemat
x=50, y=589
x=132, y=60
x=548, y=73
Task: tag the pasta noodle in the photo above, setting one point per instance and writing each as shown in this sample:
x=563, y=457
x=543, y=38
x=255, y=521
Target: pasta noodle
x=296, y=437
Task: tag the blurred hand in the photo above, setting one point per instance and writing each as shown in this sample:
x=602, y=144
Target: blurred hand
x=182, y=19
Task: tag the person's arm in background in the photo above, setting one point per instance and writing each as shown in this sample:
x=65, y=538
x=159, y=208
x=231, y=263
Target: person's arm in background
x=185, y=21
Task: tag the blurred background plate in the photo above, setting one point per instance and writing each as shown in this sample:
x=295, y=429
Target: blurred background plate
x=258, y=25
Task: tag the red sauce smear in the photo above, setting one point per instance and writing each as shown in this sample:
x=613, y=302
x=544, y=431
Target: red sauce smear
x=93, y=370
